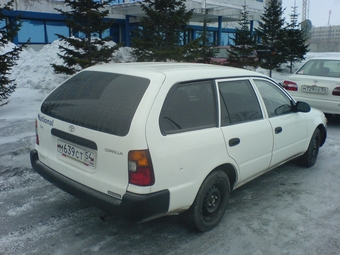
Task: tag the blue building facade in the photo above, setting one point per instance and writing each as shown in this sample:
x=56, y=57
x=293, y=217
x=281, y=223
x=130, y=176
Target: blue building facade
x=41, y=27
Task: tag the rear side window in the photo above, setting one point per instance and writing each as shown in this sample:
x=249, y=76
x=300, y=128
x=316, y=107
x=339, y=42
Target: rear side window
x=239, y=102
x=100, y=101
x=189, y=106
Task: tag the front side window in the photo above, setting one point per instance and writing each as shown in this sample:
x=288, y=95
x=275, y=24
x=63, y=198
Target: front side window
x=189, y=107
x=238, y=102
x=100, y=101
x=277, y=103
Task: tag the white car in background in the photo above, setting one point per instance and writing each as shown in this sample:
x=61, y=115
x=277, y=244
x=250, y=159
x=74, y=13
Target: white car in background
x=317, y=82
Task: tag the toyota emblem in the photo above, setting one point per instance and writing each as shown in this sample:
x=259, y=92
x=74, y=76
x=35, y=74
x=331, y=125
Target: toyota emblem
x=71, y=128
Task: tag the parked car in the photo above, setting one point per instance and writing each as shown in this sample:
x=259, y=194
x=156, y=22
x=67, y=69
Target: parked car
x=222, y=56
x=317, y=82
x=145, y=140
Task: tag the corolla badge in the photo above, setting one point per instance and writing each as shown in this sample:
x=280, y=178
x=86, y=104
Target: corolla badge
x=71, y=128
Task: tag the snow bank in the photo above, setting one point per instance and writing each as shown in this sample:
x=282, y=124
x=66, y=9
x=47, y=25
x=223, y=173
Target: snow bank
x=8, y=47
x=34, y=70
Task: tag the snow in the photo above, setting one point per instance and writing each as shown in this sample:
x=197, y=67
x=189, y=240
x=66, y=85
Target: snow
x=35, y=79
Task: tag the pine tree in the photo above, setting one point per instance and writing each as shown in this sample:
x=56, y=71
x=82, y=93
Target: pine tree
x=296, y=41
x=9, y=53
x=162, y=32
x=86, y=18
x=242, y=53
x=206, y=50
x=272, y=34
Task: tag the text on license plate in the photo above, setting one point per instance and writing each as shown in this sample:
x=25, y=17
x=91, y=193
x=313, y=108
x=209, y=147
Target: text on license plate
x=314, y=89
x=69, y=150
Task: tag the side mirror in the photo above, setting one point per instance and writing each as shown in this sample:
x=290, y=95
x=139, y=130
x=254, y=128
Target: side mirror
x=302, y=107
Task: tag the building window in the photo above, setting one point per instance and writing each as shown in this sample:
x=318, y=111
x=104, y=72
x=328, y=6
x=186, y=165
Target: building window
x=32, y=30
x=56, y=27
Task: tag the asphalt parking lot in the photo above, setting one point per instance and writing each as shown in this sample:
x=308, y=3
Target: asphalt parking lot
x=289, y=210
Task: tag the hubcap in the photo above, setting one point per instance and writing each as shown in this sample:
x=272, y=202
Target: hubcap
x=211, y=201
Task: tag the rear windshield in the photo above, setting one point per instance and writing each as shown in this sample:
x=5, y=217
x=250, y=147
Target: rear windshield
x=100, y=101
x=321, y=67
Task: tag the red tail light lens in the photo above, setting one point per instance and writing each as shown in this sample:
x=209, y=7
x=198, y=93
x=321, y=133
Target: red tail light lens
x=290, y=85
x=336, y=91
x=36, y=132
x=140, y=168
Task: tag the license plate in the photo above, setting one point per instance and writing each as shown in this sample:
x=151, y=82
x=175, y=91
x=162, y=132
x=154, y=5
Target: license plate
x=314, y=89
x=69, y=150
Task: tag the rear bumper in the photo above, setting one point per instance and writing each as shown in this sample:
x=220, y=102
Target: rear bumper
x=135, y=207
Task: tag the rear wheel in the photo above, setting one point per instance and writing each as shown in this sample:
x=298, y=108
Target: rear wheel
x=211, y=201
x=308, y=159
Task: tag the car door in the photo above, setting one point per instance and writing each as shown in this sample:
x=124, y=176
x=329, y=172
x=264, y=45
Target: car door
x=188, y=143
x=289, y=127
x=248, y=135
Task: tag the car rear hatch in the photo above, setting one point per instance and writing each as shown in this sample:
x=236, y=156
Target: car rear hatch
x=83, y=129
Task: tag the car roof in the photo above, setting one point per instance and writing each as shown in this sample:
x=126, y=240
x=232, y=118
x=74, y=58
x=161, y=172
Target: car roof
x=178, y=69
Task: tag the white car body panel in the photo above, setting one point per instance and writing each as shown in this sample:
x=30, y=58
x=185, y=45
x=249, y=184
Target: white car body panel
x=181, y=160
x=292, y=140
x=255, y=134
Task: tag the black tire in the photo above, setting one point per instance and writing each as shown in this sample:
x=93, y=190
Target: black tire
x=308, y=159
x=211, y=201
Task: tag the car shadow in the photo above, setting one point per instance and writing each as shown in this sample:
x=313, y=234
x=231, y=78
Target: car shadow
x=333, y=120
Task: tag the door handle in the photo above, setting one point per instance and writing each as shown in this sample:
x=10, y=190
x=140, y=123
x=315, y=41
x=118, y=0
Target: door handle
x=234, y=142
x=278, y=130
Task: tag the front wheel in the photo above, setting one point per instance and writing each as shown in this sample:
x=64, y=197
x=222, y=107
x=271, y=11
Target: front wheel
x=211, y=201
x=308, y=159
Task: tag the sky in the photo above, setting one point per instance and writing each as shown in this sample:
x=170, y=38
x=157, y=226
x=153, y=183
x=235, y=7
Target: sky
x=318, y=11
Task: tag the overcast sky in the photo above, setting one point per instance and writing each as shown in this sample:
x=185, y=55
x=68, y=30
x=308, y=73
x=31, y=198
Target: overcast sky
x=318, y=11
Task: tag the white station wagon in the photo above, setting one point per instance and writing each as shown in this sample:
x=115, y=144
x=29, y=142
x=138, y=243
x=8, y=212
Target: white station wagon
x=145, y=140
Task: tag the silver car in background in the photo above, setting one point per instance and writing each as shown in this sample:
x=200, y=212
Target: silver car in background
x=317, y=82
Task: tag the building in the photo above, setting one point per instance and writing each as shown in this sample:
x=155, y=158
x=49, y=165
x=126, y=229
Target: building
x=41, y=22
x=327, y=33
x=325, y=39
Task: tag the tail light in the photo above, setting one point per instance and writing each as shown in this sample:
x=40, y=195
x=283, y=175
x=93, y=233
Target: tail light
x=290, y=85
x=140, y=168
x=336, y=91
x=36, y=132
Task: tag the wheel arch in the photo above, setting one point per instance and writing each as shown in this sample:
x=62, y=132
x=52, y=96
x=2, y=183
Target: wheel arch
x=323, y=133
x=230, y=171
